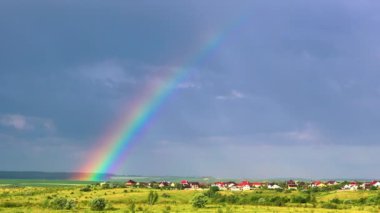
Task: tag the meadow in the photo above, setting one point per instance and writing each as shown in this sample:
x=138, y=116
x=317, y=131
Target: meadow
x=76, y=196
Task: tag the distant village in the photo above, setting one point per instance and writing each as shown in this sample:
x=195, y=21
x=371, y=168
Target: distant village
x=246, y=185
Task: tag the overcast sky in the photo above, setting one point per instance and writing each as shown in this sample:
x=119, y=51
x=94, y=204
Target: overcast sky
x=293, y=92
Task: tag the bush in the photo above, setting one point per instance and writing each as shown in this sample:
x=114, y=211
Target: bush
x=132, y=207
x=233, y=199
x=278, y=201
x=165, y=195
x=199, y=201
x=8, y=204
x=70, y=204
x=212, y=192
x=86, y=189
x=58, y=203
x=261, y=200
x=347, y=202
x=362, y=200
x=299, y=199
x=152, y=197
x=166, y=209
x=336, y=201
x=106, y=186
x=329, y=206
x=98, y=204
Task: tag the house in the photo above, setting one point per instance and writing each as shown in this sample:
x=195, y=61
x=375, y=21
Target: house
x=331, y=183
x=235, y=188
x=172, y=184
x=291, y=184
x=141, y=184
x=130, y=183
x=204, y=186
x=256, y=184
x=220, y=185
x=244, y=185
x=152, y=184
x=194, y=185
x=246, y=188
x=375, y=183
x=353, y=186
x=273, y=186
x=366, y=186
x=184, y=182
x=163, y=184
x=317, y=184
x=230, y=184
x=302, y=185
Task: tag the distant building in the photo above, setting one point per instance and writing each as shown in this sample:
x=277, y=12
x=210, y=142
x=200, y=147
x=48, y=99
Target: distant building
x=244, y=185
x=184, y=182
x=163, y=184
x=273, y=186
x=375, y=183
x=256, y=184
x=220, y=185
x=141, y=184
x=194, y=185
x=366, y=186
x=317, y=184
x=331, y=183
x=130, y=183
x=291, y=184
x=353, y=186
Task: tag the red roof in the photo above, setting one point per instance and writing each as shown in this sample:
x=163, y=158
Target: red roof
x=184, y=182
x=256, y=184
x=244, y=183
x=220, y=183
x=131, y=181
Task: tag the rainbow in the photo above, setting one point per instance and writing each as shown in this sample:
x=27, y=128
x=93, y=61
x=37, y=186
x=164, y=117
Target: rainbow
x=110, y=151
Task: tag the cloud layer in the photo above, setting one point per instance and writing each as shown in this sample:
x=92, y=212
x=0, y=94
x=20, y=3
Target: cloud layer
x=295, y=77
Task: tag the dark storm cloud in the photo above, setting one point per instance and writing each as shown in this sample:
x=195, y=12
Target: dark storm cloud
x=295, y=75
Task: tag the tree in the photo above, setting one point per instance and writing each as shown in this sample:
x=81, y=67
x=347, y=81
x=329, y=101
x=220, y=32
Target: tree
x=152, y=197
x=199, y=200
x=212, y=192
x=179, y=186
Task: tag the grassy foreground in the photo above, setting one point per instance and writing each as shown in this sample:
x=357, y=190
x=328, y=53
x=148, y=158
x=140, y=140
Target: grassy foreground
x=35, y=197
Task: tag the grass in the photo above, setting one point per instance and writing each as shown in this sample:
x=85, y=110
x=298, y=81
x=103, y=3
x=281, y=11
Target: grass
x=31, y=196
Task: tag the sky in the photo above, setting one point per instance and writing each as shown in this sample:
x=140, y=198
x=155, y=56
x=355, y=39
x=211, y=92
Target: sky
x=292, y=92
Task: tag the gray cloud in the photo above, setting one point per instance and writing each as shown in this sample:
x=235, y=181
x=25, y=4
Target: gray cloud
x=295, y=77
x=21, y=122
x=233, y=94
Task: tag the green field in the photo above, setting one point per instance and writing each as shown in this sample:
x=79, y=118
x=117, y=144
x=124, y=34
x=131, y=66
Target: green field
x=37, y=196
